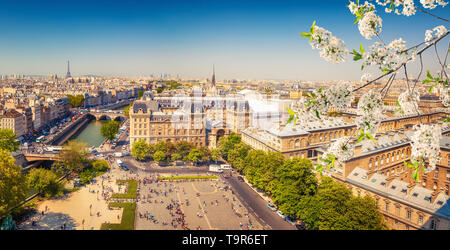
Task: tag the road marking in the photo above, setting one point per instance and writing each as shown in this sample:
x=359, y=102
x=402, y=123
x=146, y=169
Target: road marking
x=196, y=190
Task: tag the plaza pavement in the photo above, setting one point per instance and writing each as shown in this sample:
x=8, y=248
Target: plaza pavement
x=75, y=207
x=201, y=212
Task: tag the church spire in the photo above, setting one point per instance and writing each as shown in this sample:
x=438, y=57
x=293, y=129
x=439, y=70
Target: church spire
x=213, y=80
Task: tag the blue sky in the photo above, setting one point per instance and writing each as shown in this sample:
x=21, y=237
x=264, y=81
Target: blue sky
x=244, y=39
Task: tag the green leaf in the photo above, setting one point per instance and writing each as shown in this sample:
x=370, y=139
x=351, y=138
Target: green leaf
x=290, y=119
x=429, y=74
x=305, y=34
x=291, y=112
x=415, y=174
x=431, y=88
x=312, y=27
x=446, y=119
x=361, y=48
x=317, y=114
x=360, y=138
x=357, y=57
x=409, y=165
x=370, y=137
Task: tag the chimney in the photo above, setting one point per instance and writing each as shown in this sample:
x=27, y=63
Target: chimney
x=389, y=180
x=358, y=149
x=434, y=195
x=410, y=187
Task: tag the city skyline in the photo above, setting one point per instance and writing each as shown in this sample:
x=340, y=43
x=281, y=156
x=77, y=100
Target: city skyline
x=244, y=40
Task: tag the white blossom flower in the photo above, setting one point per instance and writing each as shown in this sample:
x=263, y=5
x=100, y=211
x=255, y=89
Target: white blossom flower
x=431, y=4
x=438, y=32
x=370, y=25
x=408, y=102
x=342, y=149
x=340, y=96
x=443, y=93
x=370, y=112
x=366, y=77
x=389, y=57
x=332, y=49
x=425, y=144
x=408, y=9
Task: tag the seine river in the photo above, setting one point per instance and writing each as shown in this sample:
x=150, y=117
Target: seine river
x=91, y=133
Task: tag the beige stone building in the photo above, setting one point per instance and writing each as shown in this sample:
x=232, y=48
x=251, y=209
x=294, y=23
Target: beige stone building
x=11, y=119
x=148, y=122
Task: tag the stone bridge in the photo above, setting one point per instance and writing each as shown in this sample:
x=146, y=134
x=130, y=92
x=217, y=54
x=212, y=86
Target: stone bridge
x=42, y=157
x=104, y=115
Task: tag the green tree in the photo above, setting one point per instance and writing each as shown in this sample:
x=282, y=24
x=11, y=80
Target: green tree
x=8, y=140
x=86, y=175
x=205, y=153
x=13, y=186
x=183, y=148
x=215, y=154
x=335, y=208
x=45, y=182
x=236, y=156
x=140, y=94
x=296, y=181
x=126, y=110
x=100, y=166
x=59, y=168
x=227, y=143
x=74, y=155
x=176, y=157
x=110, y=129
x=362, y=214
x=159, y=156
x=76, y=101
x=266, y=174
x=140, y=150
x=195, y=156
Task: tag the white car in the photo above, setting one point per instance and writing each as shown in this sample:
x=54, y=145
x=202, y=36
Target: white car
x=281, y=214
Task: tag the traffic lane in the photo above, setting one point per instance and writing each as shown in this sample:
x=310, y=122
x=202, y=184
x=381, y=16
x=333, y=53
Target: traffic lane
x=170, y=169
x=258, y=205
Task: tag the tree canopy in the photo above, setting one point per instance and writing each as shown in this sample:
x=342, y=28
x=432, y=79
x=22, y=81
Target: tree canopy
x=8, y=140
x=126, y=110
x=140, y=150
x=109, y=130
x=76, y=101
x=335, y=208
x=159, y=156
x=13, y=186
x=44, y=181
x=74, y=155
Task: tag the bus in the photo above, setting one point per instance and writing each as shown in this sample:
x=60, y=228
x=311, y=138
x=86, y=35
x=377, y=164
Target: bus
x=53, y=149
x=40, y=138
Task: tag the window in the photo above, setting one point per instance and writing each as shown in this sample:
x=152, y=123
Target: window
x=436, y=173
x=433, y=225
x=420, y=219
x=387, y=207
x=408, y=214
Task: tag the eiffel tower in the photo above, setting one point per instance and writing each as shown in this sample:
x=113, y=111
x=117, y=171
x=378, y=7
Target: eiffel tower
x=68, y=71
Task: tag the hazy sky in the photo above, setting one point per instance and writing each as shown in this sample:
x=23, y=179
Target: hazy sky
x=244, y=39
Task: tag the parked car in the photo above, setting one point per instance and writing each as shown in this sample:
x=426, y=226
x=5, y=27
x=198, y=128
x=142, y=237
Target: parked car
x=281, y=214
x=271, y=206
x=290, y=220
x=300, y=226
x=124, y=167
